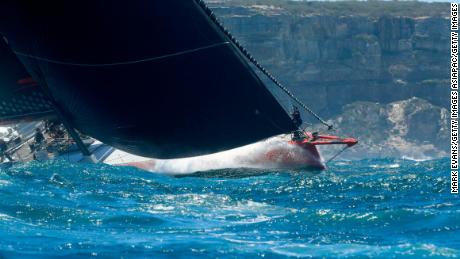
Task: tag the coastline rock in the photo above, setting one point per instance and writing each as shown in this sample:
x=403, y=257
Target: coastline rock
x=413, y=128
x=331, y=58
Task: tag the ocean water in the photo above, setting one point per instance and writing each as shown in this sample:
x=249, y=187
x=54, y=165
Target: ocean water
x=372, y=208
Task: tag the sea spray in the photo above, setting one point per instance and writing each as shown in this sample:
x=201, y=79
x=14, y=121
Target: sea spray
x=269, y=153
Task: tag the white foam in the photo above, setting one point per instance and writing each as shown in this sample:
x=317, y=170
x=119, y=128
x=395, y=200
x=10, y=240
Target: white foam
x=246, y=156
x=386, y=166
x=418, y=159
x=5, y=183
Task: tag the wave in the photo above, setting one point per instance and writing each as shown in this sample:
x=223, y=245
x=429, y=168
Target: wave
x=367, y=208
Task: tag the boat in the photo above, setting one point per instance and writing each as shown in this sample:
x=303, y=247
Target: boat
x=156, y=79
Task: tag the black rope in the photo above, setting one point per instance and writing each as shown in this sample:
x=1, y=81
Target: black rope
x=248, y=55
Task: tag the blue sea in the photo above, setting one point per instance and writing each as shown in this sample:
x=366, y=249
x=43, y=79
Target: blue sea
x=371, y=208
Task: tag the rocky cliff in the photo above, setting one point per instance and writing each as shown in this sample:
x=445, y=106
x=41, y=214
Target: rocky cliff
x=412, y=128
x=345, y=57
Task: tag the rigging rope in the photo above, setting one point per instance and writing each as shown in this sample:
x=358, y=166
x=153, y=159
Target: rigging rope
x=124, y=62
x=248, y=55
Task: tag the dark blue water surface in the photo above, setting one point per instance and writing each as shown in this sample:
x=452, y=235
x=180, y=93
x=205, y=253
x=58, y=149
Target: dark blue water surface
x=371, y=208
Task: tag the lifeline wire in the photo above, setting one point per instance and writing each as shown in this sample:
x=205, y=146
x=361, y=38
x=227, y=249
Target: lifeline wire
x=121, y=63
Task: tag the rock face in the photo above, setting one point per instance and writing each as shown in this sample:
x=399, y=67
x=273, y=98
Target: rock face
x=330, y=61
x=364, y=64
x=413, y=128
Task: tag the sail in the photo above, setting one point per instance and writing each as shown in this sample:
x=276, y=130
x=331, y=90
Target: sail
x=20, y=97
x=153, y=78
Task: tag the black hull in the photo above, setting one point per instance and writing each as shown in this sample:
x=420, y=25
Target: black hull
x=153, y=78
